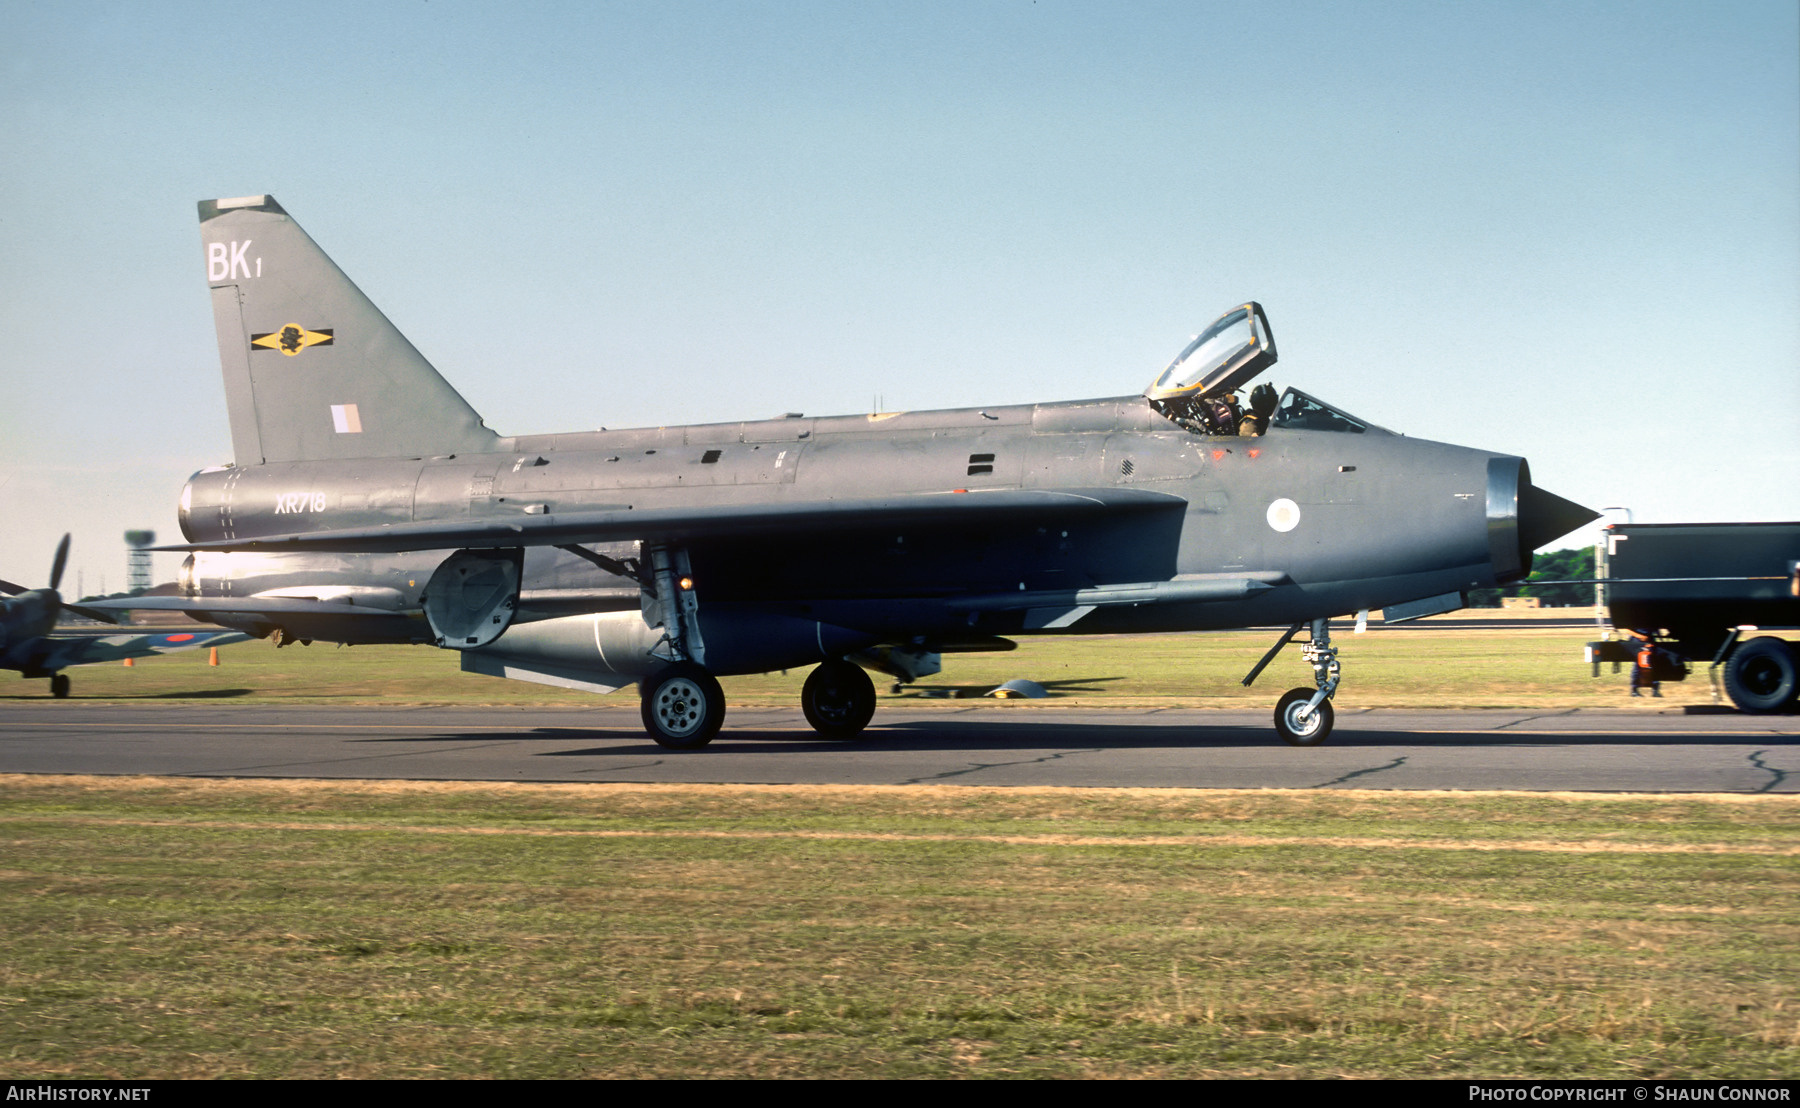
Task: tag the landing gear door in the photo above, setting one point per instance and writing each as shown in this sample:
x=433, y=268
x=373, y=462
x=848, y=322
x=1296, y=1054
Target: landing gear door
x=471, y=598
x=1228, y=354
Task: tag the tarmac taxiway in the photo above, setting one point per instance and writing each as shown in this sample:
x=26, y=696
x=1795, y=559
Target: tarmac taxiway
x=987, y=744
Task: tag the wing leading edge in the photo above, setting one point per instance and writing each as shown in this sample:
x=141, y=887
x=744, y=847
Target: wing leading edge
x=726, y=521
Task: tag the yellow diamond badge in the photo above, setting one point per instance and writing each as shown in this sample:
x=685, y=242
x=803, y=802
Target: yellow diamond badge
x=291, y=339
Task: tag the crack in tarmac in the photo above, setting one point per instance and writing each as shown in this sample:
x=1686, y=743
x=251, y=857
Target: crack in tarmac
x=1395, y=764
x=335, y=761
x=1530, y=719
x=977, y=767
x=1780, y=775
x=623, y=769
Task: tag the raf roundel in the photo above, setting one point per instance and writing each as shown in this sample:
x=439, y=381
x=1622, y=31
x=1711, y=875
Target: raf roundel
x=1284, y=515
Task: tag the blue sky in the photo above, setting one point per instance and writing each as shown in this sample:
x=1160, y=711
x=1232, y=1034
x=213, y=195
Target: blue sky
x=1568, y=231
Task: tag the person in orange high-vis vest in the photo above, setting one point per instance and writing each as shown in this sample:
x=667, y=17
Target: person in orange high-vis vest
x=1643, y=672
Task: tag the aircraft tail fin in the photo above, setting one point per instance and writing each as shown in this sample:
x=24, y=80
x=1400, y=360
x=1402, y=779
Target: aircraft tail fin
x=313, y=370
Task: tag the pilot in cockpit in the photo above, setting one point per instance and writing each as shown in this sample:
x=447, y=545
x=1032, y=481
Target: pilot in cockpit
x=1262, y=406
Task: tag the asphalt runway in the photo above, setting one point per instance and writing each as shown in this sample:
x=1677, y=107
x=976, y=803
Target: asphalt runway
x=989, y=744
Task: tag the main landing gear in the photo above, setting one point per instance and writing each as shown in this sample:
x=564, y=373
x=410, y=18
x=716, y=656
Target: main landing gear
x=838, y=699
x=1303, y=717
x=682, y=704
x=59, y=686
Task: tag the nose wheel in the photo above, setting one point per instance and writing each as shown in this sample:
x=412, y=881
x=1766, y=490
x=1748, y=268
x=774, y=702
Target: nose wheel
x=1298, y=722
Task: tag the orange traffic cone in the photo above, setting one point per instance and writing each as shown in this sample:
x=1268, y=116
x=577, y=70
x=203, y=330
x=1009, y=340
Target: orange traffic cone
x=212, y=658
x=128, y=661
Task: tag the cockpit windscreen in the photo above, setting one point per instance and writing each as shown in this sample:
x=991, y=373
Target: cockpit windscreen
x=1300, y=412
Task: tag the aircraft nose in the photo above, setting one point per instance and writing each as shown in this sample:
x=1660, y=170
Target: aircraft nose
x=1545, y=516
x=1523, y=517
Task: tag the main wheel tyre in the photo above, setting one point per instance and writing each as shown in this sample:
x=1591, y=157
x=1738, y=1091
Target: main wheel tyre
x=1760, y=676
x=1297, y=730
x=59, y=686
x=683, y=707
x=838, y=699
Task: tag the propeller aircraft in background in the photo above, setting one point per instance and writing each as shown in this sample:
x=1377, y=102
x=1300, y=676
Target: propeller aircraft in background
x=28, y=642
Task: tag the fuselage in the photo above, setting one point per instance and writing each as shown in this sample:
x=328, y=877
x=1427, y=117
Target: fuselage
x=1332, y=521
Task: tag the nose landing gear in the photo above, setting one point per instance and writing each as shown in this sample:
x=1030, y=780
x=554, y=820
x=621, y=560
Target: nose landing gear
x=1303, y=717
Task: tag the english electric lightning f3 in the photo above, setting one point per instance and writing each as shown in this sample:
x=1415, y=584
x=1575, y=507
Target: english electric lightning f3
x=369, y=504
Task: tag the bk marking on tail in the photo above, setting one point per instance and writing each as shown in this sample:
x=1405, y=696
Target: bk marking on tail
x=292, y=339
x=227, y=262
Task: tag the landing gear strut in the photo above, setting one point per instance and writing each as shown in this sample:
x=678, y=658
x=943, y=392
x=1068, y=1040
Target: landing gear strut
x=838, y=699
x=683, y=705
x=1303, y=716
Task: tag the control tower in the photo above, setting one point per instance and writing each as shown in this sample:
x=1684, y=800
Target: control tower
x=137, y=560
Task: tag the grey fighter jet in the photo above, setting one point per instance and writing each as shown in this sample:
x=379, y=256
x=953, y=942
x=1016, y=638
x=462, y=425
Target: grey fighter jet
x=369, y=503
x=28, y=642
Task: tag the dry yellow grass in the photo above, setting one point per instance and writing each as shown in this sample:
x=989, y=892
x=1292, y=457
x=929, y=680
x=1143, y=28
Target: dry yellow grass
x=206, y=928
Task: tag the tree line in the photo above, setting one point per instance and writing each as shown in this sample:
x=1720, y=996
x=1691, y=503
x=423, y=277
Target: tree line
x=1557, y=565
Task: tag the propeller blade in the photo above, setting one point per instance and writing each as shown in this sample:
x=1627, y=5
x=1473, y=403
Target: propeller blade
x=11, y=589
x=62, y=558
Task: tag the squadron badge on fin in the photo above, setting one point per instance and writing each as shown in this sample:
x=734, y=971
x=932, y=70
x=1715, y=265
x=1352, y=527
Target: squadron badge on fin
x=291, y=339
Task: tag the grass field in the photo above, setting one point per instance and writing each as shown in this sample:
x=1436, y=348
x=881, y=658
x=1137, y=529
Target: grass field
x=185, y=928
x=1522, y=665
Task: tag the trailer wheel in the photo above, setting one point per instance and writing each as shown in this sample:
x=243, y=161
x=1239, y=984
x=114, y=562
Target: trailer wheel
x=1760, y=676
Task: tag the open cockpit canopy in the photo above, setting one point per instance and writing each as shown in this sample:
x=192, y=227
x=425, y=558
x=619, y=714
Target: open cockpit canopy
x=1225, y=356
x=1197, y=391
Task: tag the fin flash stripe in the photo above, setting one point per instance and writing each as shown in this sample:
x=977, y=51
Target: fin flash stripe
x=291, y=339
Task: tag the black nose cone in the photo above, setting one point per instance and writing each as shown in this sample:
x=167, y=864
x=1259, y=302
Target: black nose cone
x=1545, y=517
